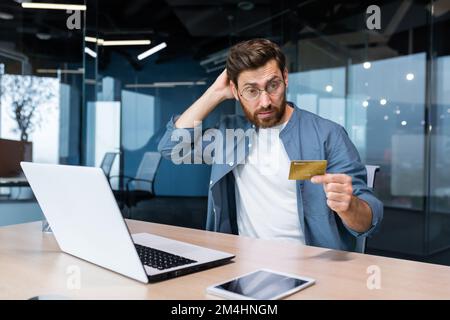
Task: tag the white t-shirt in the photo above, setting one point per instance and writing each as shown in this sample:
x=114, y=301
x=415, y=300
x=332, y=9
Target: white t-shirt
x=266, y=200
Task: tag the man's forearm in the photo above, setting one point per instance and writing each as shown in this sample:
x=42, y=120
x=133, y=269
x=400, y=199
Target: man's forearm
x=199, y=110
x=359, y=215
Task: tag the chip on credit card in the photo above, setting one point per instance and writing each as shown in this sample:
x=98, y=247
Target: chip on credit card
x=306, y=169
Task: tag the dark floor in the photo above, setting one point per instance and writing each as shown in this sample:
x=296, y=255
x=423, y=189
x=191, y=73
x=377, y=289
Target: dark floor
x=401, y=236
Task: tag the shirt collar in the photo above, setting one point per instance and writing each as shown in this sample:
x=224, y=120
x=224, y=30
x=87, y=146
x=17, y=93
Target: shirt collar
x=292, y=120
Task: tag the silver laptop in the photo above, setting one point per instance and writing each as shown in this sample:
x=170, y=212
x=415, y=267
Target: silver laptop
x=83, y=214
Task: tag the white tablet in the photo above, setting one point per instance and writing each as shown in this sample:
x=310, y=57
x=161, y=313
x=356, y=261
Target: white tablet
x=262, y=284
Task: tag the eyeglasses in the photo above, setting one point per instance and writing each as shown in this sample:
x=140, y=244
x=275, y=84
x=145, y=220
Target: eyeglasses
x=272, y=88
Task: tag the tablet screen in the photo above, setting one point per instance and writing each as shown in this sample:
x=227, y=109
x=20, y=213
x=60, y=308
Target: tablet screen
x=262, y=285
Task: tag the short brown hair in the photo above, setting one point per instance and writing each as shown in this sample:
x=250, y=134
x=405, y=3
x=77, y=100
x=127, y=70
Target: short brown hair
x=253, y=54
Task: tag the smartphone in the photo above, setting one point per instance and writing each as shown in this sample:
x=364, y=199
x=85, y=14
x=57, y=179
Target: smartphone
x=262, y=284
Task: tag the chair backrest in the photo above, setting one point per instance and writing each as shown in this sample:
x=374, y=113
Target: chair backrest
x=371, y=174
x=147, y=170
x=107, y=162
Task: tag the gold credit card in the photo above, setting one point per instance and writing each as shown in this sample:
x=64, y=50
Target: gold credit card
x=306, y=169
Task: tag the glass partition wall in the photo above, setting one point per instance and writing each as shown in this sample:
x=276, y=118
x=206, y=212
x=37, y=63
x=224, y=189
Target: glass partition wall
x=41, y=72
x=388, y=88
x=73, y=94
x=438, y=138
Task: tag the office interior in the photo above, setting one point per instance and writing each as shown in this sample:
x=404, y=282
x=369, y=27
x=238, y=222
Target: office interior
x=71, y=95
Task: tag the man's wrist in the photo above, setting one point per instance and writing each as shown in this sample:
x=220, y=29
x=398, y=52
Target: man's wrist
x=352, y=216
x=214, y=96
x=352, y=210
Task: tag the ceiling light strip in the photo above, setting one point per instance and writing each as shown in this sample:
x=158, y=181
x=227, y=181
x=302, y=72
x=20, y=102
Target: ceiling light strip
x=53, y=6
x=151, y=51
x=125, y=42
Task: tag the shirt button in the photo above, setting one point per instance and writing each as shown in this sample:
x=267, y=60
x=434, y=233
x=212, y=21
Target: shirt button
x=231, y=164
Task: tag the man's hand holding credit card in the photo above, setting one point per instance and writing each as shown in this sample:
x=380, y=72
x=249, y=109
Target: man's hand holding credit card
x=337, y=187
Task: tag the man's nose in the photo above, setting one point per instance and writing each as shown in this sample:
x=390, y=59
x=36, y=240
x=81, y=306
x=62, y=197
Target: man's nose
x=264, y=100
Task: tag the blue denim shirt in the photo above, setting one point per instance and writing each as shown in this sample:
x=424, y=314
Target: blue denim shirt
x=306, y=136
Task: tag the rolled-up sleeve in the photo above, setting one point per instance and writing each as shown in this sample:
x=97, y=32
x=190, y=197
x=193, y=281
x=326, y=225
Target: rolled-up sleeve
x=186, y=145
x=377, y=215
x=344, y=158
x=167, y=144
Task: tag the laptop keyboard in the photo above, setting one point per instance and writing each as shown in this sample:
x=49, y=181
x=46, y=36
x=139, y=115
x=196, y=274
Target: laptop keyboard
x=160, y=260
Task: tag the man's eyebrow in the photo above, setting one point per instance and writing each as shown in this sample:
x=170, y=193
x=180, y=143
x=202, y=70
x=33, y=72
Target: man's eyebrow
x=254, y=84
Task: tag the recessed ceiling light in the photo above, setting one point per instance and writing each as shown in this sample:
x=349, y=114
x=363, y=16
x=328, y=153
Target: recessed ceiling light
x=365, y=103
x=410, y=76
x=367, y=65
x=43, y=36
x=6, y=16
x=404, y=123
x=246, y=5
x=328, y=88
x=383, y=102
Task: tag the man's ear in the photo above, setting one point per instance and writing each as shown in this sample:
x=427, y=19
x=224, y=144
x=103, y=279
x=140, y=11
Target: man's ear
x=234, y=90
x=285, y=76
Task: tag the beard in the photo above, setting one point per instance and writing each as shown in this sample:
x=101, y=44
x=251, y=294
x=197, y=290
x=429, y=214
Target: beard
x=273, y=120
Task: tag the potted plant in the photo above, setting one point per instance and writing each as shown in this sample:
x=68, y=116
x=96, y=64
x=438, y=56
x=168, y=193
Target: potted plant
x=25, y=95
x=24, y=98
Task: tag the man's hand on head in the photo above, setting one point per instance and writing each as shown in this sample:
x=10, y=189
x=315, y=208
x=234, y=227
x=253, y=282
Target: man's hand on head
x=219, y=91
x=221, y=87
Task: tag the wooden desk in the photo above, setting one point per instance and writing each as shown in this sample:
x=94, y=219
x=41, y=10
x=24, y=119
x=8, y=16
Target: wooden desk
x=31, y=264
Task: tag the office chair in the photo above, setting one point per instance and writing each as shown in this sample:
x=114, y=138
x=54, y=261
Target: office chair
x=141, y=187
x=371, y=174
x=107, y=163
